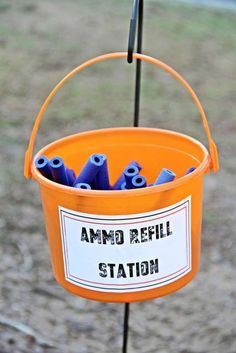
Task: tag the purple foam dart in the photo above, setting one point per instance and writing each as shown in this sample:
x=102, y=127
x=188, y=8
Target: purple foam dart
x=90, y=169
x=139, y=181
x=102, y=178
x=121, y=179
x=123, y=186
x=70, y=176
x=84, y=186
x=129, y=173
x=190, y=170
x=42, y=164
x=165, y=176
x=59, y=171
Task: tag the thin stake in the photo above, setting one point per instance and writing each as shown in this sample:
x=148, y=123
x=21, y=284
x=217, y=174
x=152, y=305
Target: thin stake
x=138, y=65
x=126, y=328
x=136, y=123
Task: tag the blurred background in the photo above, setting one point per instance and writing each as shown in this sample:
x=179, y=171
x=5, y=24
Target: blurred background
x=40, y=42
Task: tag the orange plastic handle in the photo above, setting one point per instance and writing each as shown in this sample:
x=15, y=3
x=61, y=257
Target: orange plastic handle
x=214, y=165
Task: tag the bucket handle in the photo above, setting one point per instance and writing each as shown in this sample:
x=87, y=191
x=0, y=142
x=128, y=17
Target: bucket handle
x=214, y=163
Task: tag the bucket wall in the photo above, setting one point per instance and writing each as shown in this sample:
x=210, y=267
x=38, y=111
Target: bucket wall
x=152, y=148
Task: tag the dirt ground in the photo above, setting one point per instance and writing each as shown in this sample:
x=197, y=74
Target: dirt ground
x=40, y=42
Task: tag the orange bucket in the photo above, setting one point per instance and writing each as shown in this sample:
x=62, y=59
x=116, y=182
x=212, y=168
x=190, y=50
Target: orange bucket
x=129, y=245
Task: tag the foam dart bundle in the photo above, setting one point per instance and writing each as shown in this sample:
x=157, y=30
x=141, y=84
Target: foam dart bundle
x=120, y=181
x=94, y=174
x=59, y=171
x=165, y=176
x=42, y=164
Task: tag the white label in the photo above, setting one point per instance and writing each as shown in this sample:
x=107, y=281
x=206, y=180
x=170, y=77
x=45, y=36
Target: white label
x=127, y=253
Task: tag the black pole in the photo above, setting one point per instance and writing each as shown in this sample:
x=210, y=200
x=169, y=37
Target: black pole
x=137, y=5
x=138, y=65
x=126, y=328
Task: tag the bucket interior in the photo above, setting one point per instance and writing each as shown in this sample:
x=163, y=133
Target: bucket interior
x=154, y=149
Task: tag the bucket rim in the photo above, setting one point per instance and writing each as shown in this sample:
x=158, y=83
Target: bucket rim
x=200, y=170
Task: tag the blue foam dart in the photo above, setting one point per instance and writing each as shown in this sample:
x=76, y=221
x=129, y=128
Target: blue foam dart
x=123, y=186
x=190, y=170
x=102, y=178
x=84, y=186
x=139, y=181
x=129, y=173
x=165, y=176
x=70, y=176
x=42, y=164
x=59, y=171
x=90, y=169
x=121, y=179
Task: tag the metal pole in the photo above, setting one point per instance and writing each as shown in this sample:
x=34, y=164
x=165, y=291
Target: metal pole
x=138, y=65
x=136, y=111
x=126, y=328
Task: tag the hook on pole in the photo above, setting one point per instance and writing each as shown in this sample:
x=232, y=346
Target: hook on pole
x=132, y=31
